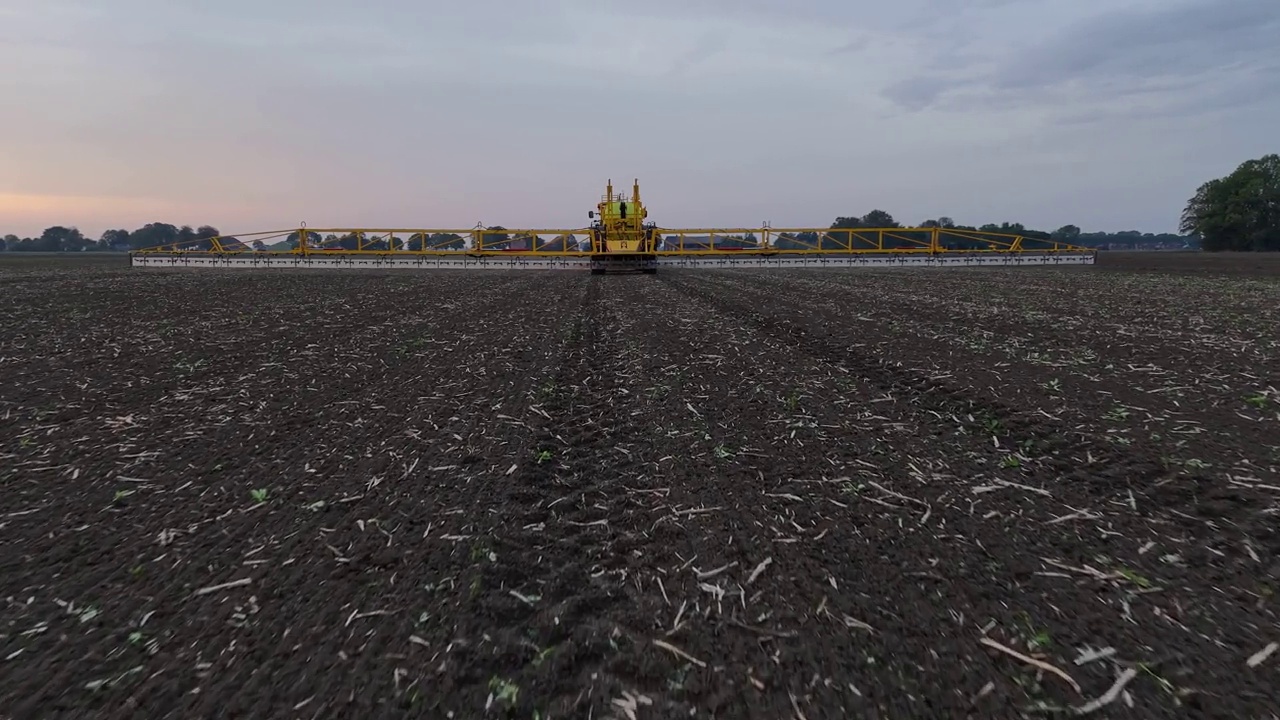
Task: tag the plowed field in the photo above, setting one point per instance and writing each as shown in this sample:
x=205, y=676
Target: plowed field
x=802, y=494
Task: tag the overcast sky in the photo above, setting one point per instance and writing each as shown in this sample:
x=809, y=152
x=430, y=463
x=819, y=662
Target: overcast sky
x=258, y=114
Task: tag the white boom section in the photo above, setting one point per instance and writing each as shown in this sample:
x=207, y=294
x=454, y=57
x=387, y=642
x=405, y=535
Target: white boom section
x=526, y=262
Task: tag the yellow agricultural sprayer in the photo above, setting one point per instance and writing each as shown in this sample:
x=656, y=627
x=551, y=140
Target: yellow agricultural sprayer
x=619, y=238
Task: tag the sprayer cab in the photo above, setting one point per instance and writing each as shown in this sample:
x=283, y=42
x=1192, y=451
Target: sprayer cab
x=620, y=225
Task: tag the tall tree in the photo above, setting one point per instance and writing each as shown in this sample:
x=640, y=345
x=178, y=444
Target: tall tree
x=1066, y=233
x=313, y=239
x=1240, y=211
x=879, y=219
x=496, y=238
x=61, y=239
x=201, y=237
x=153, y=234
x=186, y=236
x=114, y=240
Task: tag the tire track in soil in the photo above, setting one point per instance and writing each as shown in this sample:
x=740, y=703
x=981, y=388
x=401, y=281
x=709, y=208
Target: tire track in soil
x=904, y=675
x=460, y=622
x=474, y=626
x=634, y=612
x=570, y=534
x=1185, y=656
x=826, y=592
x=818, y=332
x=1067, y=449
x=543, y=606
x=747, y=585
x=1078, y=455
x=1146, y=346
x=243, y=527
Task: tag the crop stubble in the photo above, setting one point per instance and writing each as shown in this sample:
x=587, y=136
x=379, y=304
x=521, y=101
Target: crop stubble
x=801, y=494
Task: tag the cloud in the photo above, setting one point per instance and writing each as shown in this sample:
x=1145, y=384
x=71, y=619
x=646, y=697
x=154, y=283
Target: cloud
x=1176, y=38
x=1163, y=51
x=1187, y=98
x=917, y=93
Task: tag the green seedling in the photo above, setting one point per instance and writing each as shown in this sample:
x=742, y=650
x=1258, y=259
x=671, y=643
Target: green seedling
x=1117, y=414
x=1040, y=640
x=504, y=691
x=542, y=656
x=480, y=551
x=1134, y=577
x=793, y=400
x=259, y=495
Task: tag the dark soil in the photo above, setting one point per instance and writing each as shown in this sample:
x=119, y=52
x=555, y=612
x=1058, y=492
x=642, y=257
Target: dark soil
x=1223, y=264
x=808, y=494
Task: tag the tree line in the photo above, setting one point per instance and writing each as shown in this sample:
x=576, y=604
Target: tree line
x=1071, y=234
x=70, y=239
x=1238, y=212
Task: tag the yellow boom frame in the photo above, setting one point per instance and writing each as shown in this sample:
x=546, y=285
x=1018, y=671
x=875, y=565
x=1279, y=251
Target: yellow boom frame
x=619, y=231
